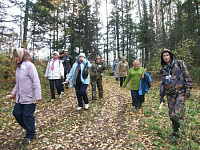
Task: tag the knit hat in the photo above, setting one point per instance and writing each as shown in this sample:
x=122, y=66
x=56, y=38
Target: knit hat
x=55, y=52
x=81, y=55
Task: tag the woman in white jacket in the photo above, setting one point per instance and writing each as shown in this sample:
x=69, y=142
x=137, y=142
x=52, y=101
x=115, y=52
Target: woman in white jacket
x=55, y=72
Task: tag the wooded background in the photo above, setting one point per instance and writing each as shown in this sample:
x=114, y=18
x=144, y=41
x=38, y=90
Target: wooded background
x=76, y=25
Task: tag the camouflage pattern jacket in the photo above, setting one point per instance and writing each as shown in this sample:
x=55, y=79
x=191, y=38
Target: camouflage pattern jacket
x=97, y=70
x=174, y=78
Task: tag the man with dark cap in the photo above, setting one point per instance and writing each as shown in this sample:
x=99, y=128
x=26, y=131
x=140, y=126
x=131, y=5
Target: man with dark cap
x=67, y=63
x=175, y=83
x=62, y=59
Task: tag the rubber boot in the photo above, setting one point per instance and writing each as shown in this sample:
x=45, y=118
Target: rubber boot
x=140, y=105
x=175, y=134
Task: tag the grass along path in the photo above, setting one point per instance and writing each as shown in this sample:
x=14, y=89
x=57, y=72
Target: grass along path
x=109, y=123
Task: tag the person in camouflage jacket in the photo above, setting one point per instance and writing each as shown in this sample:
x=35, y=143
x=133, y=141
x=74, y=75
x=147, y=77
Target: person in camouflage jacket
x=175, y=83
x=96, y=77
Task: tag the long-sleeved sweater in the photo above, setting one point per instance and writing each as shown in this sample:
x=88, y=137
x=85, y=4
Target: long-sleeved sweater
x=134, y=75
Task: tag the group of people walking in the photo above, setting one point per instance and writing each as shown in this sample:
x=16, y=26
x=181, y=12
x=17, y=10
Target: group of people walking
x=175, y=83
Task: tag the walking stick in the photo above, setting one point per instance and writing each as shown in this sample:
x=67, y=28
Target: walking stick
x=145, y=70
x=160, y=107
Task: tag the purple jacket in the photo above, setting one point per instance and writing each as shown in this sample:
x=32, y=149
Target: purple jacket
x=27, y=88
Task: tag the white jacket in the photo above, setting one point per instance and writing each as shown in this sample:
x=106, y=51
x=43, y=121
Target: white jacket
x=57, y=72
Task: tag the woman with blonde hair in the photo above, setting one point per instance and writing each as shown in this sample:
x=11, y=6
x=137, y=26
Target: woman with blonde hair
x=135, y=75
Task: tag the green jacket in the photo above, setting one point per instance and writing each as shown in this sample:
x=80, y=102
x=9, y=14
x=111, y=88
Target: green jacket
x=97, y=70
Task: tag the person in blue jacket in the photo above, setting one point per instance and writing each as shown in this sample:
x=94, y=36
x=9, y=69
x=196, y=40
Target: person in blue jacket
x=78, y=81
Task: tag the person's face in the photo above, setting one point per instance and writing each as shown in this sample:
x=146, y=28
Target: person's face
x=17, y=59
x=62, y=55
x=65, y=53
x=166, y=57
x=136, y=65
x=98, y=60
x=81, y=58
x=55, y=56
x=123, y=59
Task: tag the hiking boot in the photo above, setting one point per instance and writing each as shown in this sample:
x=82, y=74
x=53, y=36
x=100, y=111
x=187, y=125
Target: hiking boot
x=86, y=106
x=175, y=136
x=78, y=108
x=136, y=109
x=174, y=139
x=28, y=140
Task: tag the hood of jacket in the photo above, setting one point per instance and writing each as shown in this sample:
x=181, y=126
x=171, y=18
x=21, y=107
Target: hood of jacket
x=163, y=63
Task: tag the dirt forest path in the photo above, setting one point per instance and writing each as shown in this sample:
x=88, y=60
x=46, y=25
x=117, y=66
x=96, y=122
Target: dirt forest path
x=104, y=126
x=110, y=123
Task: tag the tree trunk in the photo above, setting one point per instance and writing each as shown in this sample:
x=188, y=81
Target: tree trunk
x=26, y=25
x=163, y=24
x=122, y=5
x=197, y=3
x=117, y=31
x=107, y=31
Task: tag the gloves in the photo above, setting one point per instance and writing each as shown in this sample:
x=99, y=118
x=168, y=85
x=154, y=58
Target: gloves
x=162, y=100
x=188, y=93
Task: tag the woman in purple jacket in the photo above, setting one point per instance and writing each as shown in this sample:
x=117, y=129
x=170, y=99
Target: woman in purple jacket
x=27, y=92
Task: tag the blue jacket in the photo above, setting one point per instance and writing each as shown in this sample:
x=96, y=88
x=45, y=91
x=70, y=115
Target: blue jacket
x=145, y=84
x=71, y=75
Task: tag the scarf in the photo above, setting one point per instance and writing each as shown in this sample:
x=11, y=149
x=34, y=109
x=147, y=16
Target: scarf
x=78, y=68
x=52, y=66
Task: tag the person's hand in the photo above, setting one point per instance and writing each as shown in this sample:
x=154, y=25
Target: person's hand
x=66, y=82
x=45, y=77
x=38, y=101
x=162, y=100
x=10, y=96
x=188, y=93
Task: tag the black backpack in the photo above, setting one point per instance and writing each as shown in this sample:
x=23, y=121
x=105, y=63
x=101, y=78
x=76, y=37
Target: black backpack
x=85, y=71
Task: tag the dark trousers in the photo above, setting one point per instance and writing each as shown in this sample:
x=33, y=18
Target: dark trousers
x=23, y=113
x=122, y=79
x=137, y=99
x=61, y=85
x=58, y=87
x=81, y=94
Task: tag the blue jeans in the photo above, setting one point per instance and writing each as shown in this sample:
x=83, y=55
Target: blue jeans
x=81, y=94
x=136, y=98
x=23, y=113
x=58, y=87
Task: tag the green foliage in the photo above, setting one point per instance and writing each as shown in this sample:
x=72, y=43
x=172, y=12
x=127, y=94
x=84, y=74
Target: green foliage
x=153, y=65
x=7, y=67
x=184, y=51
x=109, y=72
x=195, y=73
